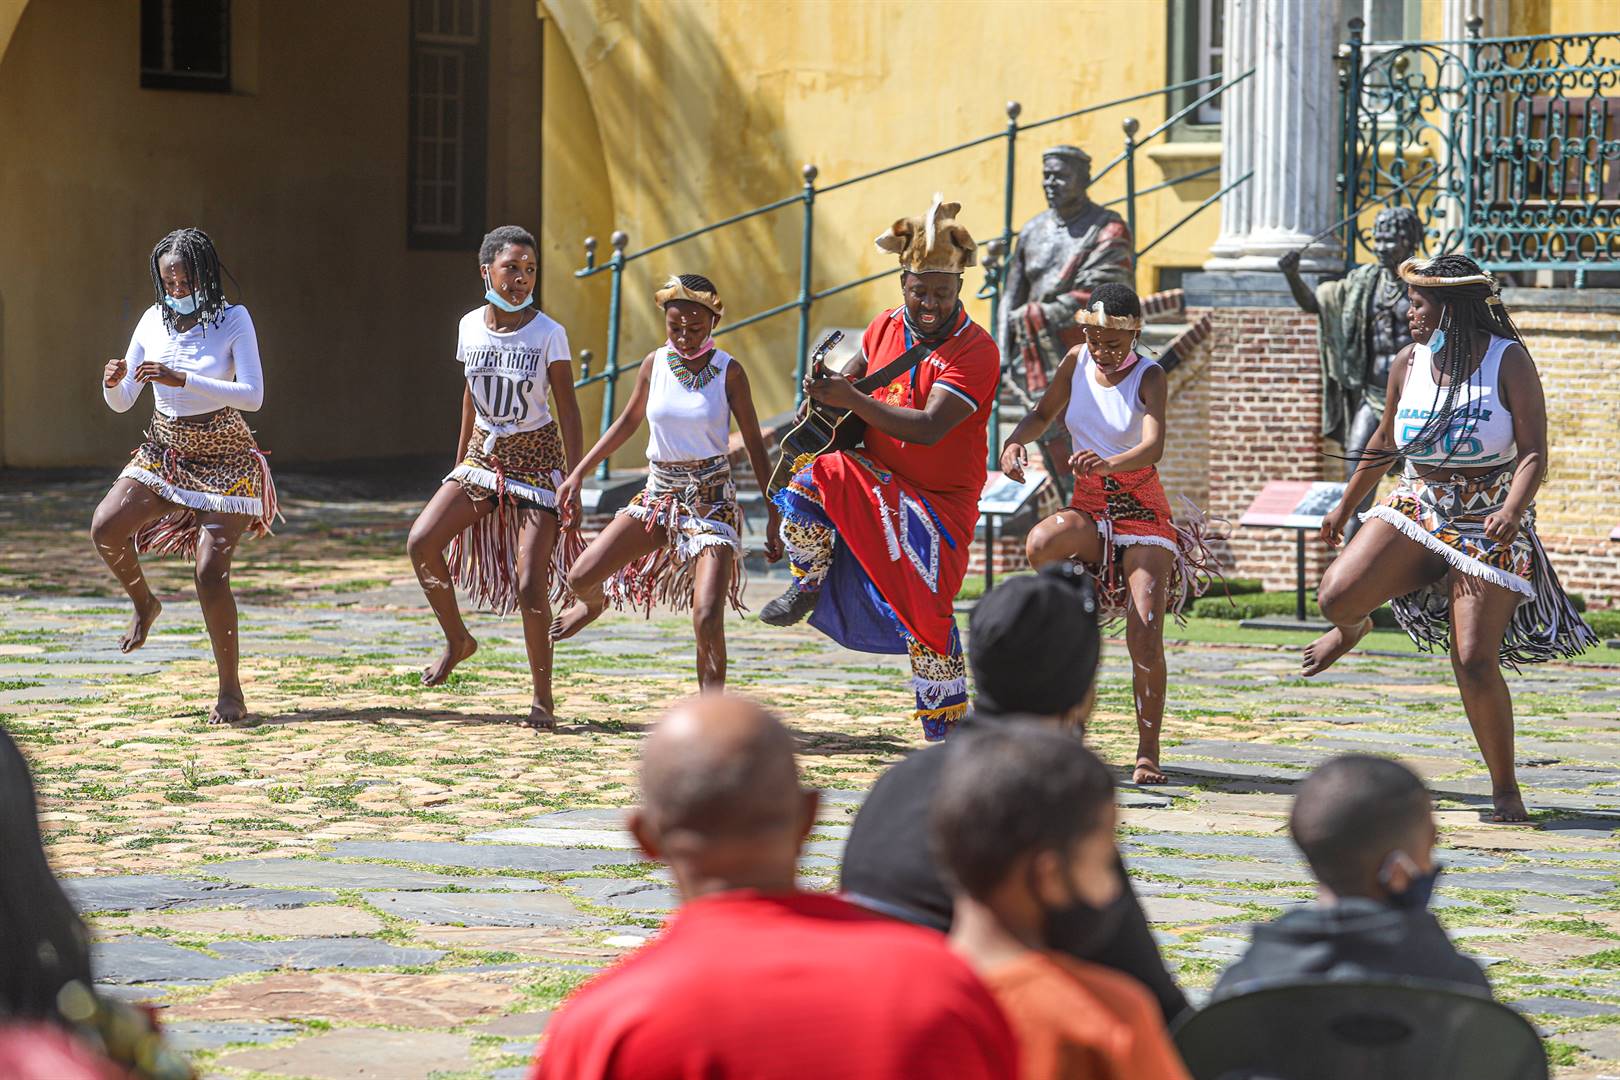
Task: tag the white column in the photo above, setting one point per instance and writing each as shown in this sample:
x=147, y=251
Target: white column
x=1291, y=135
x=1237, y=132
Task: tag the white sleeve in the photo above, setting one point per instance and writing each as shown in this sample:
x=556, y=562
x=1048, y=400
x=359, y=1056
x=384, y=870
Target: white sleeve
x=120, y=397
x=557, y=348
x=246, y=390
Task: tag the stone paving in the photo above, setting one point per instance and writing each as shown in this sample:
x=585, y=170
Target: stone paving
x=385, y=880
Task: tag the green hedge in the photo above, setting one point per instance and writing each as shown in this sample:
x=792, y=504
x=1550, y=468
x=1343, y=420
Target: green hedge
x=1265, y=605
x=1605, y=622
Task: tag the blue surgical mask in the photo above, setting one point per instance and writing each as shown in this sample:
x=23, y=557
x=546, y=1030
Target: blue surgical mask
x=1437, y=341
x=501, y=302
x=181, y=305
x=1419, y=887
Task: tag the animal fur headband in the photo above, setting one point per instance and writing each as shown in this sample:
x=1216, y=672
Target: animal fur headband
x=933, y=244
x=1415, y=272
x=674, y=290
x=1096, y=316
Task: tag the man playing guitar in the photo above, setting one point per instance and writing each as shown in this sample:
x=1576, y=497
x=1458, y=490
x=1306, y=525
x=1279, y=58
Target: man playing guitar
x=879, y=537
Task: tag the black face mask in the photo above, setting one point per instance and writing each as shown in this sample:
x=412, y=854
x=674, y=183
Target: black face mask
x=1083, y=930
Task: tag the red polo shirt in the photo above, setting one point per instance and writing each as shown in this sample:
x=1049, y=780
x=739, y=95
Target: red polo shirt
x=747, y=986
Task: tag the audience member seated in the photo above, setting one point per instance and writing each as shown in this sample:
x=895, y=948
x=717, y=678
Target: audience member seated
x=45, y=960
x=1033, y=645
x=753, y=977
x=1366, y=827
x=1023, y=824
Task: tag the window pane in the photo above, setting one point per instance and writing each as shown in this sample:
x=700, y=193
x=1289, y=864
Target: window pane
x=198, y=30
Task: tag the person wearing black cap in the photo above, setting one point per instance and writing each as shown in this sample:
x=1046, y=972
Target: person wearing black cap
x=1033, y=645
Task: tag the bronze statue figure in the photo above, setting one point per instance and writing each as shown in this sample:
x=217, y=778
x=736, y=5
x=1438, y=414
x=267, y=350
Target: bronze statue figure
x=1062, y=254
x=1362, y=325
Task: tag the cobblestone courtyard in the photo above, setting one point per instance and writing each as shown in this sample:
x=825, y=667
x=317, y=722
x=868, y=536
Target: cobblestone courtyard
x=383, y=880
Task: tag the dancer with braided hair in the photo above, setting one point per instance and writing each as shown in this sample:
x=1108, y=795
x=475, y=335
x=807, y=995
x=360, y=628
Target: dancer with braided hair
x=678, y=541
x=497, y=510
x=198, y=481
x=1453, y=549
x=1118, y=522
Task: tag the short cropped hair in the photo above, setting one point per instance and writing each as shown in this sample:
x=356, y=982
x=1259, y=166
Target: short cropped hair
x=1013, y=790
x=1351, y=813
x=502, y=237
x=1117, y=299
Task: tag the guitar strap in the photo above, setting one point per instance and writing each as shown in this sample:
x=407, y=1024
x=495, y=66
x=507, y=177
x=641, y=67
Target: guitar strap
x=901, y=364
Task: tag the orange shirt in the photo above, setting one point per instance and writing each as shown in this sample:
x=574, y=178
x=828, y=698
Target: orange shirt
x=1079, y=1021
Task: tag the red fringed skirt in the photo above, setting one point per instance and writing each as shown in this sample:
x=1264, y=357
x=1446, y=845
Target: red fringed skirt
x=1132, y=508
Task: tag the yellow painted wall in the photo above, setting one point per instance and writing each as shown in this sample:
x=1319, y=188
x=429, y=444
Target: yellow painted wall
x=301, y=182
x=709, y=107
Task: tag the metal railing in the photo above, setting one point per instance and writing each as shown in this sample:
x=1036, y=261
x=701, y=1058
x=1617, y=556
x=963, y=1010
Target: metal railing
x=1521, y=137
x=806, y=199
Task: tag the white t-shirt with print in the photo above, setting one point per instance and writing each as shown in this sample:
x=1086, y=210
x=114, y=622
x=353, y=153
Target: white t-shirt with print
x=507, y=372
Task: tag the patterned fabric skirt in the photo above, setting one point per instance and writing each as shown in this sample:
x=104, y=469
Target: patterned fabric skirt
x=1448, y=518
x=1132, y=508
x=696, y=503
x=517, y=471
x=204, y=464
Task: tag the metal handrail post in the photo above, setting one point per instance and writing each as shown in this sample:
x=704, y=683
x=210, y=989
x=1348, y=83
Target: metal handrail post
x=806, y=293
x=1352, y=158
x=1475, y=24
x=610, y=369
x=993, y=275
x=1131, y=127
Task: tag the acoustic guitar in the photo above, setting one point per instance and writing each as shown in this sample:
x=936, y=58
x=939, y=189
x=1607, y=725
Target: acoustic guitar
x=826, y=430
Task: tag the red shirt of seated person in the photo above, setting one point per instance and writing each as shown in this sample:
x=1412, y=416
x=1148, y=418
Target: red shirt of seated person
x=754, y=979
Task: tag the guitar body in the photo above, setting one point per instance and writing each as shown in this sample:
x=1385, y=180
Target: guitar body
x=822, y=431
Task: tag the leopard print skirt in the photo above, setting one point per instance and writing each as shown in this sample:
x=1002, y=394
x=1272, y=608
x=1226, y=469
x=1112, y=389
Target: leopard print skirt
x=203, y=464
x=695, y=503
x=521, y=472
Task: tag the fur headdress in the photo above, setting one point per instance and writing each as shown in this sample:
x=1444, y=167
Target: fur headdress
x=1420, y=272
x=932, y=244
x=676, y=289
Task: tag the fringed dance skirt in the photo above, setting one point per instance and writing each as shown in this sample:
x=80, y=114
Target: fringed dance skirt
x=1132, y=508
x=202, y=464
x=521, y=471
x=1448, y=518
x=695, y=502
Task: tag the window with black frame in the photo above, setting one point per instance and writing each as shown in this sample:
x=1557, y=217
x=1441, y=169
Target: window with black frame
x=1197, y=28
x=449, y=105
x=186, y=45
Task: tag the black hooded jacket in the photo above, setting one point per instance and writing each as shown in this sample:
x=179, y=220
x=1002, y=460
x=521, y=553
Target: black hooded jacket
x=888, y=867
x=1354, y=939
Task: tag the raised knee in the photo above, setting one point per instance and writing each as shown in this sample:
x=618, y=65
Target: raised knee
x=417, y=545
x=1475, y=665
x=1331, y=601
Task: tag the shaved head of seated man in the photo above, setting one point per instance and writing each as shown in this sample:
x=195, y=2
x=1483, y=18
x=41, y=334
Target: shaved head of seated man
x=753, y=976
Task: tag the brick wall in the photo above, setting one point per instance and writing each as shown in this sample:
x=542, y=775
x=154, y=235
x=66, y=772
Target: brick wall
x=1185, y=465
x=1578, y=355
x=1264, y=409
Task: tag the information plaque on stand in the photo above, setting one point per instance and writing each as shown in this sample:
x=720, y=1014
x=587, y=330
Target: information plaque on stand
x=1299, y=505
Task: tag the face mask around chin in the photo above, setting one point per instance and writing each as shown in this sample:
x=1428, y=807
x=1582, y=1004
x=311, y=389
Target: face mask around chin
x=501, y=302
x=181, y=305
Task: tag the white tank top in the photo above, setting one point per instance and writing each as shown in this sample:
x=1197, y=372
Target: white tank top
x=1107, y=419
x=1481, y=431
x=687, y=423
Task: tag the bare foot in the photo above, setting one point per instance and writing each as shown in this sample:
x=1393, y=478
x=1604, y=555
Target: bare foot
x=1321, y=653
x=574, y=618
x=228, y=710
x=140, y=624
x=1509, y=807
x=1148, y=772
x=454, y=653
x=540, y=718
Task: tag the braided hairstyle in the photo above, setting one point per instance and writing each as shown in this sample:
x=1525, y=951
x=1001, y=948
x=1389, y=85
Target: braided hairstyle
x=697, y=283
x=196, y=253
x=1468, y=313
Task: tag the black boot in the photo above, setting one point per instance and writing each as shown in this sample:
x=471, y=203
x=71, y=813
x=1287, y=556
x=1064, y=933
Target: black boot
x=793, y=606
